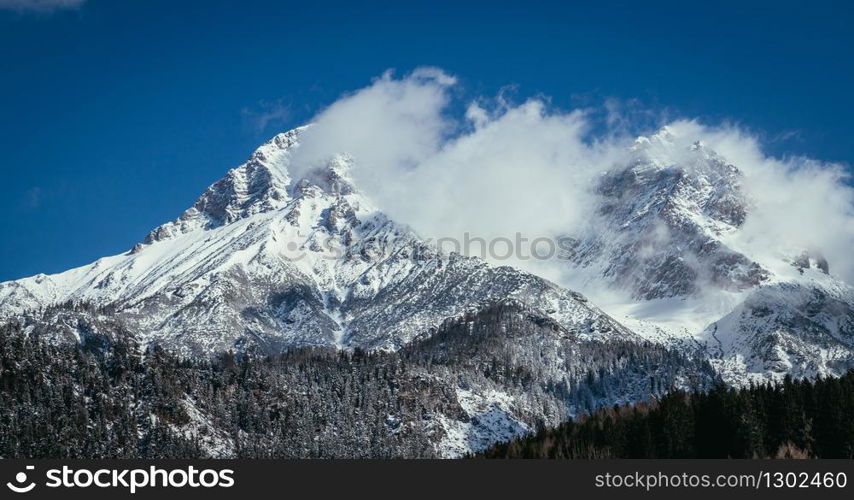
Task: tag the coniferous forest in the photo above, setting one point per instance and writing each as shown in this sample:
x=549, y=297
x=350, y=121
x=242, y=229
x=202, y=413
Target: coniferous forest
x=795, y=419
x=75, y=383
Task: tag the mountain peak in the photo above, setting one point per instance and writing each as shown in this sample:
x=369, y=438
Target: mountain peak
x=666, y=149
x=663, y=136
x=262, y=262
x=259, y=262
x=257, y=186
x=333, y=177
x=665, y=220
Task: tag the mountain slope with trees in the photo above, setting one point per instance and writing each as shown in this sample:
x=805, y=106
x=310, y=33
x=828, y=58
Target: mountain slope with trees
x=795, y=419
x=80, y=386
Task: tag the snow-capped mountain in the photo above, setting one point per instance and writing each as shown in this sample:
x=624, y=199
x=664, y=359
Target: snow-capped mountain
x=263, y=261
x=663, y=222
x=665, y=239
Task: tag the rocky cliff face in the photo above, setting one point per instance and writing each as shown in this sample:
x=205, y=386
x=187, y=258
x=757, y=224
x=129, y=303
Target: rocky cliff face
x=663, y=220
x=261, y=262
x=664, y=236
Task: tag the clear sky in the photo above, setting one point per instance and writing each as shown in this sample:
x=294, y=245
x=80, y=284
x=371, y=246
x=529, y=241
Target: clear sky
x=114, y=116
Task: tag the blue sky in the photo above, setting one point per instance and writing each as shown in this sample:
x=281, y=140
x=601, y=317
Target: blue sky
x=114, y=116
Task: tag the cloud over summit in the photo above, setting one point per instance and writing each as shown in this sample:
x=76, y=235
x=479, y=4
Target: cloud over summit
x=495, y=167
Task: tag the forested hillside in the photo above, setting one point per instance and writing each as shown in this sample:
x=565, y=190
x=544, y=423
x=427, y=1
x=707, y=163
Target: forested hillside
x=74, y=383
x=796, y=419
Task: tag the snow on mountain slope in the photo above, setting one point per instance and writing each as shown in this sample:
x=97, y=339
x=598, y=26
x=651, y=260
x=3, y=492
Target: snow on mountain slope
x=257, y=186
x=490, y=420
x=262, y=262
x=801, y=328
x=663, y=222
x=665, y=244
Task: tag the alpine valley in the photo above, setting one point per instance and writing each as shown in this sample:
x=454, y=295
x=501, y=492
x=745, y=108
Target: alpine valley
x=291, y=317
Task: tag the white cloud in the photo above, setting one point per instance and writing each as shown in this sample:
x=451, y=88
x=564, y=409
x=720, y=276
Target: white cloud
x=495, y=168
x=40, y=5
x=798, y=203
x=267, y=113
x=389, y=127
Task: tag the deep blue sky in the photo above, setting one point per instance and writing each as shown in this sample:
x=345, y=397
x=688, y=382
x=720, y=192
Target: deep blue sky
x=115, y=116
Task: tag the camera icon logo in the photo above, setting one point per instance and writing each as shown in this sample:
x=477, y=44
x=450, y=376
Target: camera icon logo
x=20, y=479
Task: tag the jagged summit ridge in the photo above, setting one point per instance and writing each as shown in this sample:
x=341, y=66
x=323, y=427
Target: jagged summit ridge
x=664, y=237
x=266, y=261
x=662, y=222
x=263, y=261
x=259, y=185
